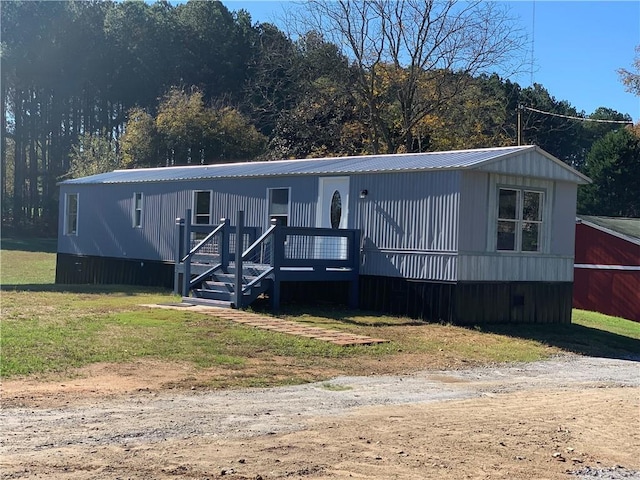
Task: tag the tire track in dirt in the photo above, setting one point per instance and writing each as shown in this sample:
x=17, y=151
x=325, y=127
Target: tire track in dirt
x=503, y=422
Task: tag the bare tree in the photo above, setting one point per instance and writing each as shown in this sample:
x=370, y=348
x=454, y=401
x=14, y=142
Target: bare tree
x=413, y=56
x=631, y=79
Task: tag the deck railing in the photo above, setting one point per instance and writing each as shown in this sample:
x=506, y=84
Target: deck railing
x=215, y=249
x=287, y=254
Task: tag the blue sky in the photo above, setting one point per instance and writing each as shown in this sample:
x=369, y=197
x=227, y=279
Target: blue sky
x=578, y=46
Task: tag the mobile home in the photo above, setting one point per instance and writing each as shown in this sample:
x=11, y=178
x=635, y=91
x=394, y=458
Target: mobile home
x=483, y=235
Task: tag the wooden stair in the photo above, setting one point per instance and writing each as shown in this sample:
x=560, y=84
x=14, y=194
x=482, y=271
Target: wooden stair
x=219, y=289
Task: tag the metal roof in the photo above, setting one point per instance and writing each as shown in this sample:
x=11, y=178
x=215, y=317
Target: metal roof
x=459, y=159
x=627, y=228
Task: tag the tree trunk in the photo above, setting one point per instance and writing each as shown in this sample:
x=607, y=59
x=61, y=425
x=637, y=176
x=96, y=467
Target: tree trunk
x=3, y=146
x=33, y=211
x=18, y=170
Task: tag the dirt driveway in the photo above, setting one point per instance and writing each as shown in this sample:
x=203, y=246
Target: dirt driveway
x=568, y=418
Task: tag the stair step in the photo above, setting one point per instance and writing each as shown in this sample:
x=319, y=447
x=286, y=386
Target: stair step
x=231, y=278
x=206, y=301
x=218, y=285
x=250, y=269
x=212, y=294
x=219, y=288
x=205, y=258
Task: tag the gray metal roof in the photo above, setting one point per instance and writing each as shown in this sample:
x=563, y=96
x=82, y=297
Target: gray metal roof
x=459, y=159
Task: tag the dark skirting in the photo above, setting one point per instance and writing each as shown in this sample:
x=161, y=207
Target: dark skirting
x=76, y=269
x=462, y=303
x=469, y=303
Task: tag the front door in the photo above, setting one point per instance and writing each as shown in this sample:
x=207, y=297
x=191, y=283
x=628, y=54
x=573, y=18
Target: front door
x=333, y=212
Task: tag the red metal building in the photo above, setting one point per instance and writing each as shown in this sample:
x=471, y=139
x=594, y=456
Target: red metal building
x=607, y=266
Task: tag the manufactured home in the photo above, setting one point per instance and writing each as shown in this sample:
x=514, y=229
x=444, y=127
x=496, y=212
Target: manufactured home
x=607, y=266
x=472, y=236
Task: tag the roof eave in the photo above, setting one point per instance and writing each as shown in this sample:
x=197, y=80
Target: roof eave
x=292, y=174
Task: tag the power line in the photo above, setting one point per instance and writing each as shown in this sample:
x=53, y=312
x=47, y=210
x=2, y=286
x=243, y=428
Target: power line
x=533, y=37
x=583, y=119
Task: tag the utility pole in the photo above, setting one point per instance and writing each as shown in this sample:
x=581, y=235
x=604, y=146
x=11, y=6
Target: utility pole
x=519, y=124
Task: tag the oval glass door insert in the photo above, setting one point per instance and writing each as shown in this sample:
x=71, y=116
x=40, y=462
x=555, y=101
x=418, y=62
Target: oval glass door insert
x=336, y=209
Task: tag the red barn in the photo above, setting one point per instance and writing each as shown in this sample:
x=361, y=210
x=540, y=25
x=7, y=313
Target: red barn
x=607, y=266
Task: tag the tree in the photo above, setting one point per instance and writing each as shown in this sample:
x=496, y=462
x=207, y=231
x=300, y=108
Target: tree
x=186, y=131
x=403, y=52
x=631, y=79
x=183, y=124
x=217, y=48
x=140, y=143
x=475, y=118
x=93, y=154
x=551, y=130
x=323, y=114
x=594, y=131
x=613, y=163
x=271, y=86
x=46, y=98
x=143, y=52
x=234, y=136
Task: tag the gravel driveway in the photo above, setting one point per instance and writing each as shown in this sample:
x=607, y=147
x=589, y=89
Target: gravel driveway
x=35, y=441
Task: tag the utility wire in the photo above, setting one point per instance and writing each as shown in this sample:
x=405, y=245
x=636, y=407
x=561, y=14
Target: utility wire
x=583, y=119
x=533, y=38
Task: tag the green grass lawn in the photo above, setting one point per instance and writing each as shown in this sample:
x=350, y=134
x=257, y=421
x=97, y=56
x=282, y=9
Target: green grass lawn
x=24, y=262
x=619, y=326
x=56, y=328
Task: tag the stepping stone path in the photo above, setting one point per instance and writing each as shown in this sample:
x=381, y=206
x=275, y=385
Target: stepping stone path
x=279, y=325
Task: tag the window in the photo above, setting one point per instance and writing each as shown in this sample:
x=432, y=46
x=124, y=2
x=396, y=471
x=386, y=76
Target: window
x=279, y=205
x=519, y=220
x=202, y=207
x=71, y=214
x=336, y=209
x=137, y=210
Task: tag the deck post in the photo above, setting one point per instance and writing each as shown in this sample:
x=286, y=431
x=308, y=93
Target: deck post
x=178, y=254
x=354, y=256
x=186, y=274
x=224, y=245
x=277, y=252
x=238, y=276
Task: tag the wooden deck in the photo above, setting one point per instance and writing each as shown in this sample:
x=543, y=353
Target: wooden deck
x=279, y=325
x=231, y=266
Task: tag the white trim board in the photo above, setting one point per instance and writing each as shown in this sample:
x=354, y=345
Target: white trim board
x=590, y=266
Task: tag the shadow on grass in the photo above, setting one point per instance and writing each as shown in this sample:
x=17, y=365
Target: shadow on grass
x=342, y=314
x=573, y=338
x=45, y=245
x=92, y=289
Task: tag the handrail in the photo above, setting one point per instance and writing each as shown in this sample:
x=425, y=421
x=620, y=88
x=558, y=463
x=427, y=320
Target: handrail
x=256, y=280
x=258, y=241
x=288, y=256
x=202, y=242
x=204, y=275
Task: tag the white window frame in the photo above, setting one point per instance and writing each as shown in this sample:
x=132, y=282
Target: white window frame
x=67, y=214
x=519, y=221
x=137, y=210
x=194, y=213
x=271, y=215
